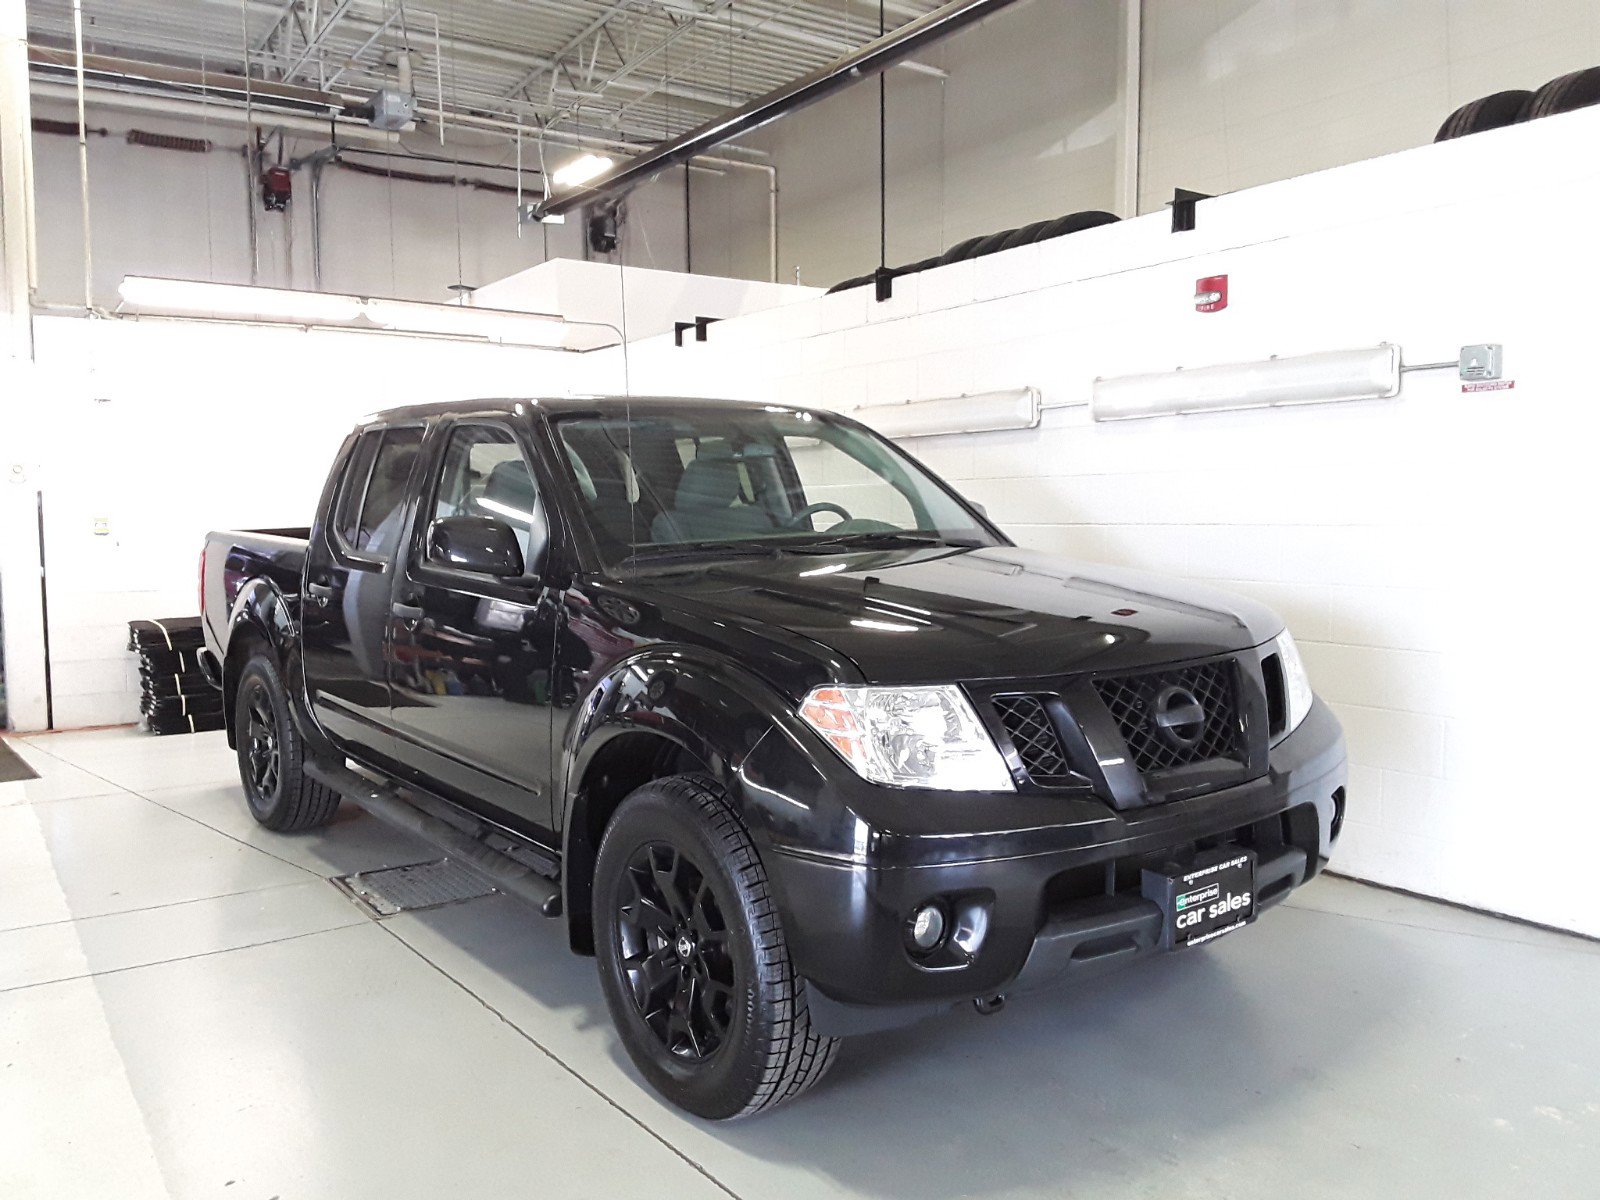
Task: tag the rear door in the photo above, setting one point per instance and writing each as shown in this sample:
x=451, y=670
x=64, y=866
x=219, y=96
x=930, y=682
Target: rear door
x=349, y=567
x=473, y=655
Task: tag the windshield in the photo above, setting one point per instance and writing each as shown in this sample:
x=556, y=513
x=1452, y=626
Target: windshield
x=729, y=481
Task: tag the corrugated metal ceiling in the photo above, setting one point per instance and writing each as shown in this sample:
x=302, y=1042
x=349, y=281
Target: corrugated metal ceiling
x=634, y=70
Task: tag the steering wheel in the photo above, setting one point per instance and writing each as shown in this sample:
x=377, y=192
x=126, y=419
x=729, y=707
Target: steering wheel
x=811, y=510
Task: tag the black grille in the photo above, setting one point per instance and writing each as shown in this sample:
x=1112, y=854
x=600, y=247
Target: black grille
x=1034, y=737
x=1138, y=701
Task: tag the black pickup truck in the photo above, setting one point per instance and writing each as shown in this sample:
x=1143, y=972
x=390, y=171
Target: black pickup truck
x=794, y=740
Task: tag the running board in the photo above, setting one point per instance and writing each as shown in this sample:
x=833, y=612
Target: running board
x=386, y=802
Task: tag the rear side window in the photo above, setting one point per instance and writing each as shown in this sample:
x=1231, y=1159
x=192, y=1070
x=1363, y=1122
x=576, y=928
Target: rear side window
x=374, y=490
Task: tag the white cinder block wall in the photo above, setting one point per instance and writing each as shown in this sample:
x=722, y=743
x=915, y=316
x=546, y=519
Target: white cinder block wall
x=1429, y=552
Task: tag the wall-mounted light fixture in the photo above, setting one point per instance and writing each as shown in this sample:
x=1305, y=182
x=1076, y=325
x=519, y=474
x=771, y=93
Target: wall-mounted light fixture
x=982, y=412
x=286, y=306
x=1304, y=379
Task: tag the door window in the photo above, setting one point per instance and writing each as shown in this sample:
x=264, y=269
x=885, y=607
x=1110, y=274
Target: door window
x=374, y=490
x=483, y=474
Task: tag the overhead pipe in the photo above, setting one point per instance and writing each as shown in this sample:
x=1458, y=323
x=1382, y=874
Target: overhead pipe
x=876, y=56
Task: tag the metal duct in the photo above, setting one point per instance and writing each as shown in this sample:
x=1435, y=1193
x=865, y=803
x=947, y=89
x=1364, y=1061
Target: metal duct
x=872, y=59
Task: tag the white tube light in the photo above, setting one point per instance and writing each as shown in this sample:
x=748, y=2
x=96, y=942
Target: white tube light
x=1304, y=379
x=982, y=412
x=194, y=298
x=581, y=170
x=457, y=320
x=239, y=302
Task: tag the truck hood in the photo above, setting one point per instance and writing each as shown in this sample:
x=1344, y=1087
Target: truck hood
x=936, y=614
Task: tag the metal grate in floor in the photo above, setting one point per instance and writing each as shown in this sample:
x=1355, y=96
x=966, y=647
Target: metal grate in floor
x=421, y=885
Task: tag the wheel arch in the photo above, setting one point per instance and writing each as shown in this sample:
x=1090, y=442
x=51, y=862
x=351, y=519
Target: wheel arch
x=652, y=716
x=261, y=619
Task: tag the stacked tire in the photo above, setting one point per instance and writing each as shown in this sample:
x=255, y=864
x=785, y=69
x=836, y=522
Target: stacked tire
x=1565, y=93
x=176, y=696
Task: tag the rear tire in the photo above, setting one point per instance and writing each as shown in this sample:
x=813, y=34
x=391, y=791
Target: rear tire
x=692, y=956
x=280, y=795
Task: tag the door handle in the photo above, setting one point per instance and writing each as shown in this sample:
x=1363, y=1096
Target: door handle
x=320, y=593
x=406, y=612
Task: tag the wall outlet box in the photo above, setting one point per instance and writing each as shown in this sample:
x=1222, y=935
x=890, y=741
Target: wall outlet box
x=1481, y=361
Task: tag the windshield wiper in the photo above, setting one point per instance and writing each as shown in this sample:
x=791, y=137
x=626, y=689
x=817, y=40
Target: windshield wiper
x=671, y=552
x=884, y=537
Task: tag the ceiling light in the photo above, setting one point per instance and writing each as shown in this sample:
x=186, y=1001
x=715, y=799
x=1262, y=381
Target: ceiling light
x=1372, y=374
x=581, y=170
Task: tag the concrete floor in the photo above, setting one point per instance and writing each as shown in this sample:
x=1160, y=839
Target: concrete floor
x=189, y=1008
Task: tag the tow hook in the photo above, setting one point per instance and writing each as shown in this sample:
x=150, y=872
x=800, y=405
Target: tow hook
x=987, y=1006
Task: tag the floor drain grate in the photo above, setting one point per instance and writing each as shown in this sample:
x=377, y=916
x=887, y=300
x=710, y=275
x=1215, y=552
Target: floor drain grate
x=420, y=885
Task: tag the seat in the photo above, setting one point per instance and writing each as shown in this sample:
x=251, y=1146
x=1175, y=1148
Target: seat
x=703, y=508
x=510, y=495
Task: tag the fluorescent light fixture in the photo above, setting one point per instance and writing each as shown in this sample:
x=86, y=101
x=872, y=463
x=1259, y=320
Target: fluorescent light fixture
x=982, y=412
x=192, y=298
x=581, y=170
x=238, y=302
x=463, y=320
x=1304, y=379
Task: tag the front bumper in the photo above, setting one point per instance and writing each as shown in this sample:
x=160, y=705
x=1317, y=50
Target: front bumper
x=1063, y=905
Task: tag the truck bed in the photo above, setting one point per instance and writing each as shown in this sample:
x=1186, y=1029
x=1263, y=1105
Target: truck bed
x=233, y=557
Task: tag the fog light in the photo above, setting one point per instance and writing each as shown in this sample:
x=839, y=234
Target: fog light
x=925, y=930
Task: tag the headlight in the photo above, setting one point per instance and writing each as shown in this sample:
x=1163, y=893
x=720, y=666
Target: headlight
x=1296, y=684
x=909, y=737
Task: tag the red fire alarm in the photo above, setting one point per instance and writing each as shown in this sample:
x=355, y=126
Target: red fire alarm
x=1211, y=293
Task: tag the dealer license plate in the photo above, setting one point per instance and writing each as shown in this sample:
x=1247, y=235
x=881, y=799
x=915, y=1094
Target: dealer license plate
x=1211, y=894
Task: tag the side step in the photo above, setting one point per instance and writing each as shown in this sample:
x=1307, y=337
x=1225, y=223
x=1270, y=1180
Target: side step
x=388, y=804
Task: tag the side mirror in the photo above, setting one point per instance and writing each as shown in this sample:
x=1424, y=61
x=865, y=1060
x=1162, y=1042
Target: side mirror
x=486, y=545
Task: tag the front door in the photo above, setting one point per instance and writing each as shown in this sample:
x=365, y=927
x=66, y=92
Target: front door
x=349, y=570
x=472, y=654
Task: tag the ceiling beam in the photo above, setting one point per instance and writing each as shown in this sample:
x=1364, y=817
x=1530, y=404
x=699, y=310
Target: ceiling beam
x=316, y=40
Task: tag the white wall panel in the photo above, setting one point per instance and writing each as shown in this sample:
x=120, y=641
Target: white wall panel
x=165, y=430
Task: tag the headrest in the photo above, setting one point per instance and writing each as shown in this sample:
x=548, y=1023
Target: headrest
x=510, y=484
x=709, y=482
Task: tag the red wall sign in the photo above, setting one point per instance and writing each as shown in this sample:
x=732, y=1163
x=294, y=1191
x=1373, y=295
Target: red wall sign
x=1211, y=293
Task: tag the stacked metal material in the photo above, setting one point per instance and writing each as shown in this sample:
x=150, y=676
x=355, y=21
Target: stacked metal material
x=177, y=695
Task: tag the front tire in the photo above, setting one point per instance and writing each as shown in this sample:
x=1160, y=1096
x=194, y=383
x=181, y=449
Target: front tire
x=692, y=956
x=280, y=795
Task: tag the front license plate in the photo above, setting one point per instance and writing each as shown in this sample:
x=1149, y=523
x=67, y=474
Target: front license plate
x=1212, y=894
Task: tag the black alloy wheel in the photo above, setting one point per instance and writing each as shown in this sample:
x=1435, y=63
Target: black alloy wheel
x=261, y=756
x=674, y=944
x=692, y=955
x=280, y=795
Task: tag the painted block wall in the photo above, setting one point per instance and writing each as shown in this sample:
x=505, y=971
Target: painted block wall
x=1233, y=94
x=1027, y=126
x=165, y=430
x=1428, y=552
x=167, y=212
x=1244, y=92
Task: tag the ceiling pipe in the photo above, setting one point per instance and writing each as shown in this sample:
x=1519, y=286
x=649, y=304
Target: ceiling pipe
x=873, y=58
